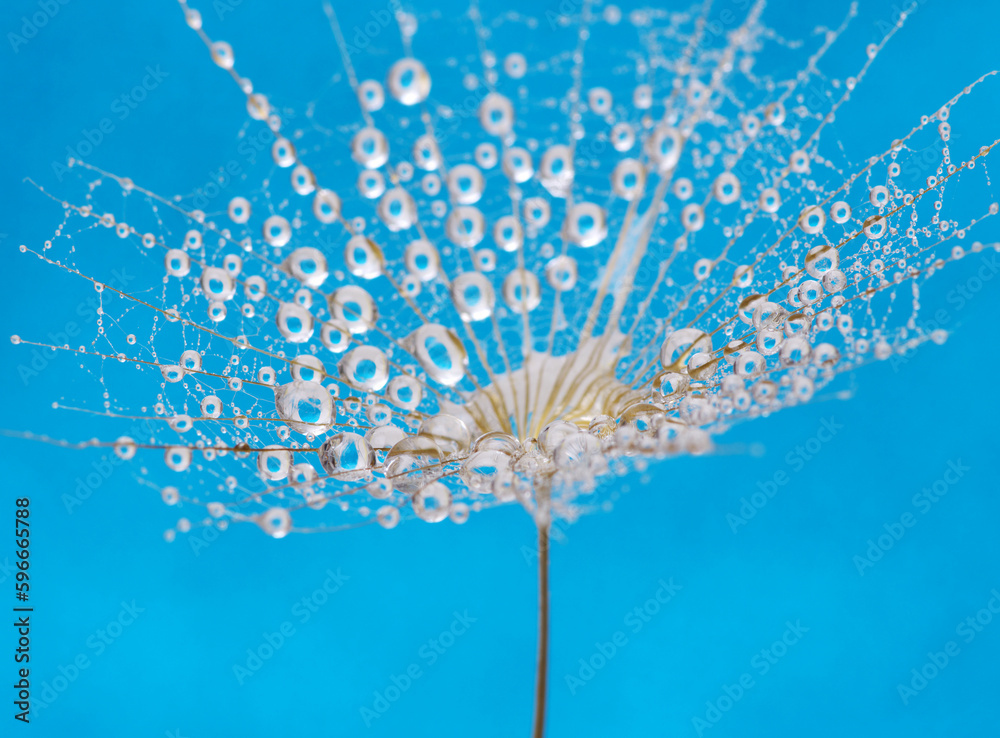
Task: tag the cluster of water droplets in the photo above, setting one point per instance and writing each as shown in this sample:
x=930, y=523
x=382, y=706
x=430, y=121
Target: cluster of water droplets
x=536, y=274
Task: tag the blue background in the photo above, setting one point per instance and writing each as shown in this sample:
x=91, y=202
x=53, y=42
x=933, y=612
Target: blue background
x=171, y=672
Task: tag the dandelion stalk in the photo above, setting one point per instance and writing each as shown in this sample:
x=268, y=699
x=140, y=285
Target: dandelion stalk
x=541, y=675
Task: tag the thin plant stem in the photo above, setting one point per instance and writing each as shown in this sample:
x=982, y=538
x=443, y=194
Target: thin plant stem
x=541, y=675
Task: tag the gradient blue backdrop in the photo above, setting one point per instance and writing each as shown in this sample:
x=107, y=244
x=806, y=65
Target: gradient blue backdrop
x=171, y=672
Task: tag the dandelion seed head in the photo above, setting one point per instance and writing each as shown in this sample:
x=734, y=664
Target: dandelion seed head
x=509, y=275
